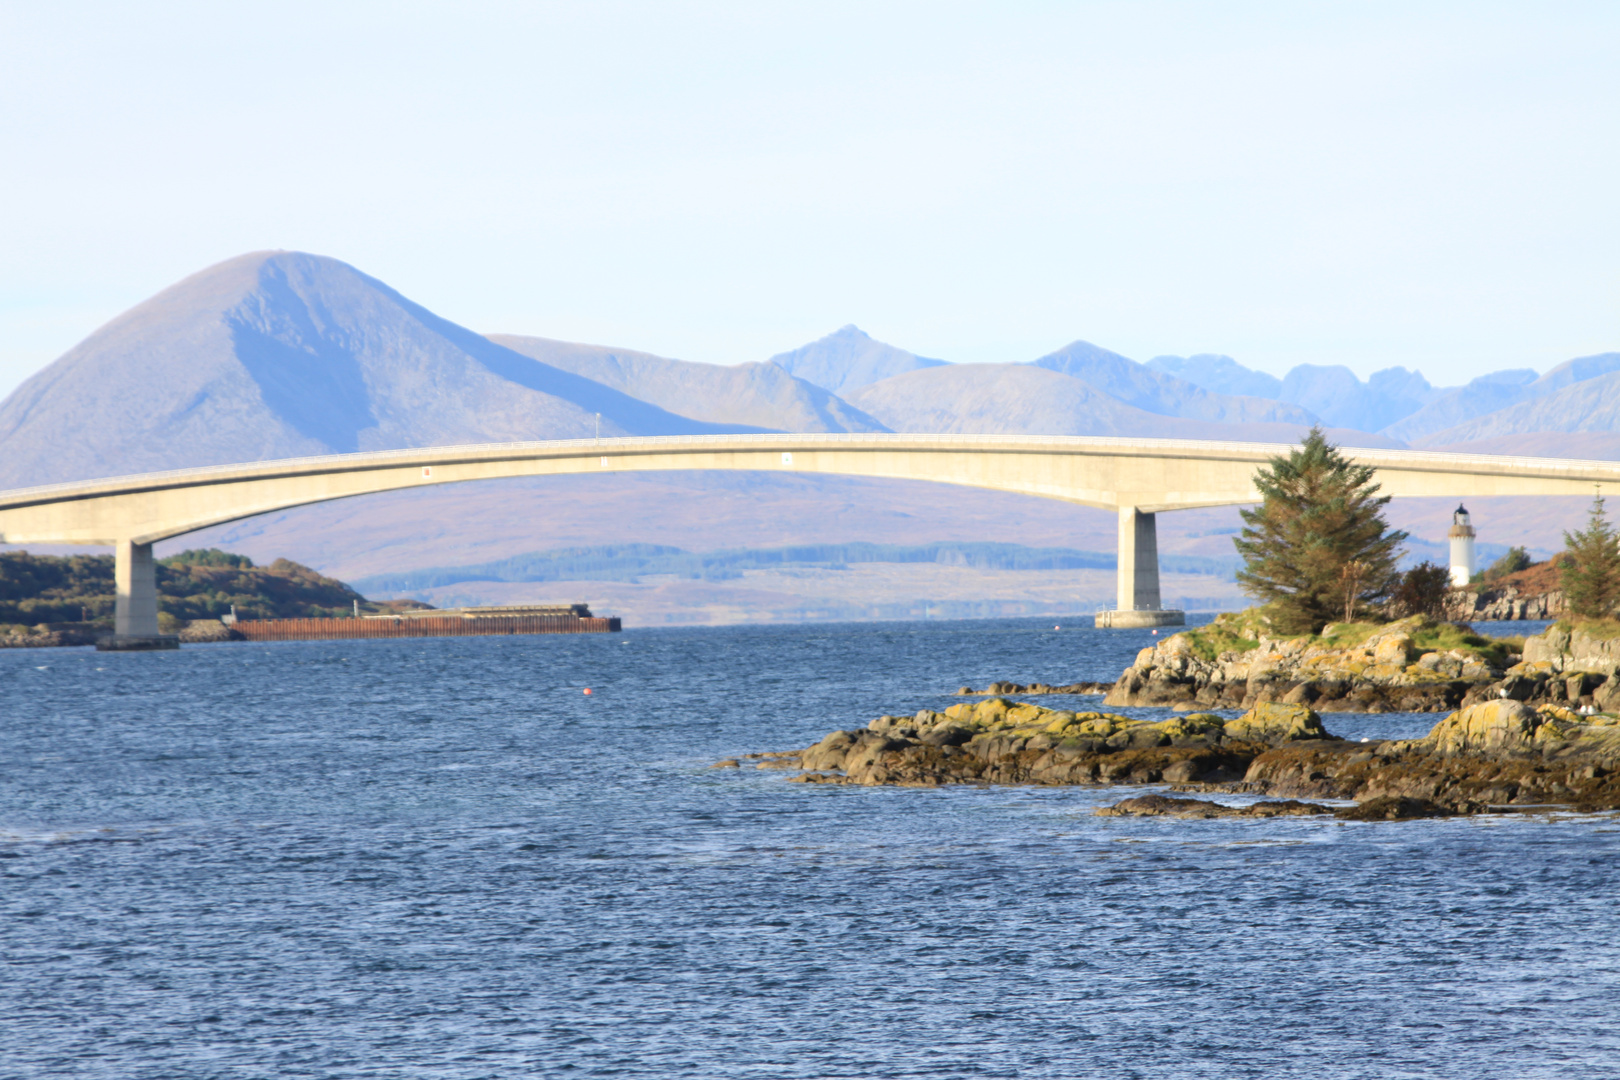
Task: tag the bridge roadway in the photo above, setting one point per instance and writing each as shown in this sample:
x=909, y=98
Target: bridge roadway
x=1138, y=478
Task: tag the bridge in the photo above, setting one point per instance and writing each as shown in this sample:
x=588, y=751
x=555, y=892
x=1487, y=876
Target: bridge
x=1138, y=478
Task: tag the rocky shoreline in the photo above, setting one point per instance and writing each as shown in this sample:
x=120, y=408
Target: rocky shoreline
x=65, y=635
x=1233, y=663
x=1495, y=755
x=1361, y=668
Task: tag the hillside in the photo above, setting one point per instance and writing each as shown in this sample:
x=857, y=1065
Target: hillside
x=1589, y=405
x=281, y=354
x=196, y=584
x=762, y=396
x=1488, y=398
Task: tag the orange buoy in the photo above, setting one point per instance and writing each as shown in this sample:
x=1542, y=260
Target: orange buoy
x=587, y=689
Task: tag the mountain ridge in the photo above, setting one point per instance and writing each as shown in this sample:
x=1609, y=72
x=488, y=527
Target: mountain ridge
x=759, y=394
x=848, y=359
x=1143, y=387
x=282, y=354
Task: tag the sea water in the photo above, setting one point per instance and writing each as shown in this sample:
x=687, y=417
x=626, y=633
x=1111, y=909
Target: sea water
x=441, y=858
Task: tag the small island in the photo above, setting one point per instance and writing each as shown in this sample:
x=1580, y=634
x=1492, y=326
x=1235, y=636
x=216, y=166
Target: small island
x=1500, y=755
x=1531, y=722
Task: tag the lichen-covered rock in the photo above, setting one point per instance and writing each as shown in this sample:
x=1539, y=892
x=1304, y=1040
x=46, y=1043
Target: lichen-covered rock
x=1002, y=741
x=1508, y=728
x=1375, y=674
x=1502, y=727
x=1394, y=649
x=1274, y=723
x=1496, y=754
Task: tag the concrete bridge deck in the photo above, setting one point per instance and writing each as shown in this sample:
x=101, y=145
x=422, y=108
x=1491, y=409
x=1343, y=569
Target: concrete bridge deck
x=1136, y=477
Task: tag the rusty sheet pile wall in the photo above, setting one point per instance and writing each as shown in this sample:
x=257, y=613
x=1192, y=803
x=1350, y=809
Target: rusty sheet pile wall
x=447, y=626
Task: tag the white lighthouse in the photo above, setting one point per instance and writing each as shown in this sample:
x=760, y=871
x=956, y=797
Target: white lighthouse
x=1462, y=547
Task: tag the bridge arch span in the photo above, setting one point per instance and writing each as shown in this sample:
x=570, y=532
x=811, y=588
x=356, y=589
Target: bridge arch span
x=1136, y=477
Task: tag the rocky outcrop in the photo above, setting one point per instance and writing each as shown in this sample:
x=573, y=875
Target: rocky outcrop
x=1393, y=808
x=999, y=741
x=1503, y=604
x=1531, y=593
x=1383, y=808
x=200, y=631
x=1573, y=666
x=1164, y=806
x=1027, y=689
x=1500, y=754
x=1383, y=672
x=1494, y=754
x=1511, y=729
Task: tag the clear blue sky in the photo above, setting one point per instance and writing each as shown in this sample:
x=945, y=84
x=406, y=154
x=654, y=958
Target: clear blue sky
x=1370, y=184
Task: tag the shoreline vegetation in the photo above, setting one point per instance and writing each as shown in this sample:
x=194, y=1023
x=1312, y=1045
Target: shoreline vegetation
x=66, y=600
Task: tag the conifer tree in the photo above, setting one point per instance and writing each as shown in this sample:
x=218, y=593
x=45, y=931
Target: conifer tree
x=1590, y=576
x=1320, y=514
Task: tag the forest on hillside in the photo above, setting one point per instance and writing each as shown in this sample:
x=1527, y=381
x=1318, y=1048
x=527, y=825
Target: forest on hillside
x=192, y=585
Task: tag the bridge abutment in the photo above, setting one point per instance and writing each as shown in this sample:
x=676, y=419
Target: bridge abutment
x=1138, y=600
x=135, y=614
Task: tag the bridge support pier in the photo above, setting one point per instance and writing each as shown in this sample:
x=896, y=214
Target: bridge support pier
x=1138, y=595
x=135, y=616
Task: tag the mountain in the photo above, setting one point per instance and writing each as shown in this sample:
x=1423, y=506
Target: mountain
x=761, y=395
x=1219, y=373
x=1156, y=392
x=1022, y=399
x=847, y=359
x=1486, y=394
x=1339, y=398
x=1495, y=392
x=1573, y=371
x=283, y=354
x=1588, y=405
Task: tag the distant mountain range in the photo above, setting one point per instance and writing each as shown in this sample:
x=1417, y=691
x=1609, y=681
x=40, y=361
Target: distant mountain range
x=762, y=396
x=282, y=354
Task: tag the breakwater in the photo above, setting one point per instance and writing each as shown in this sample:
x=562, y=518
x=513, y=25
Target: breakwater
x=438, y=626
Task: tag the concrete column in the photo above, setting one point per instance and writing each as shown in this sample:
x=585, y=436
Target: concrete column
x=135, y=574
x=1138, y=594
x=1138, y=560
x=135, y=616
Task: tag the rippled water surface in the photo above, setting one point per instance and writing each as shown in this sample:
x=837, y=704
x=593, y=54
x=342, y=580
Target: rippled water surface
x=442, y=859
